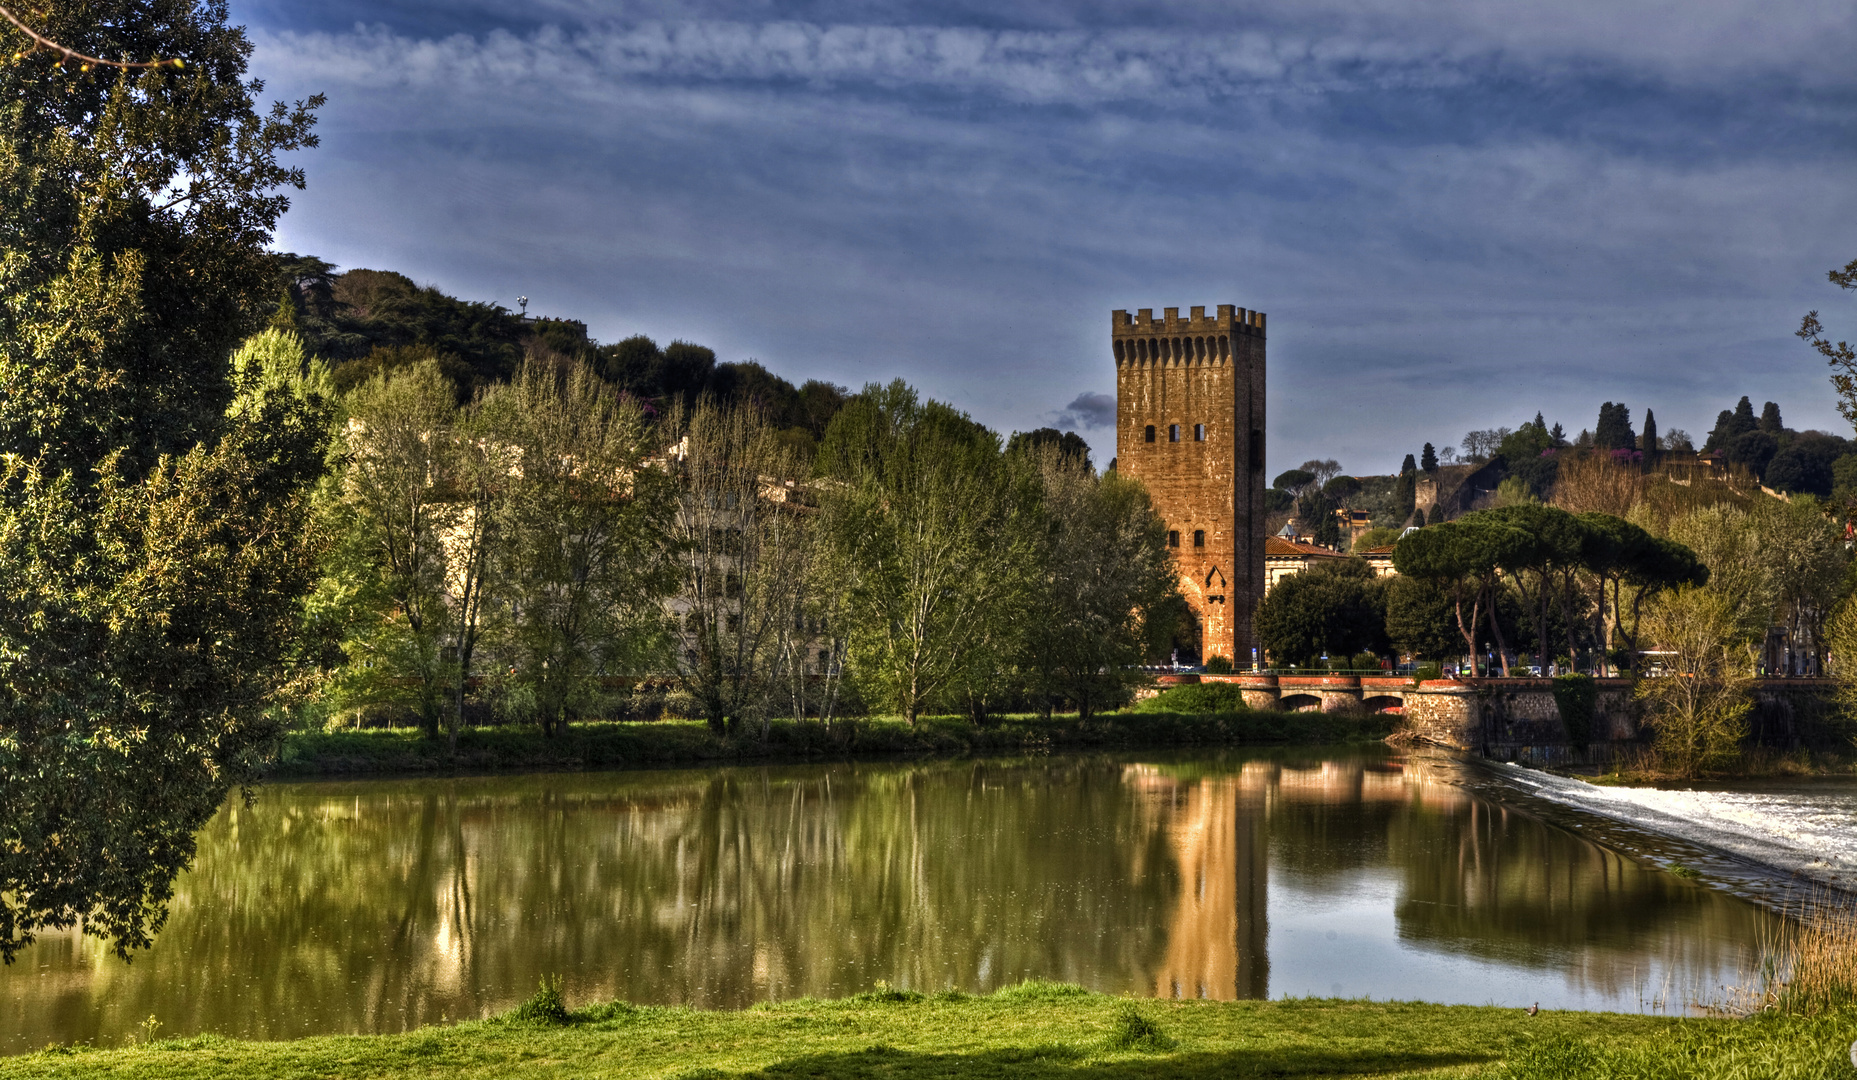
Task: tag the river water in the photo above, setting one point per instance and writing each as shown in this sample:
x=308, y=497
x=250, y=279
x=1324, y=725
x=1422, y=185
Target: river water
x=386, y=904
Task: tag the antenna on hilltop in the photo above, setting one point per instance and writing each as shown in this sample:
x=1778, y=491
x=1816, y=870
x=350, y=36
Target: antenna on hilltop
x=524, y=302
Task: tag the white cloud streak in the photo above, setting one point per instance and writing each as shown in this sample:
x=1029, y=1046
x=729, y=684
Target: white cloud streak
x=1443, y=45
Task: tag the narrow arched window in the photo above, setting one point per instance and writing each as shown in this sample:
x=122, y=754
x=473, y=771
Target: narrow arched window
x=1173, y=537
x=1199, y=538
x=1173, y=432
x=1149, y=435
x=1199, y=433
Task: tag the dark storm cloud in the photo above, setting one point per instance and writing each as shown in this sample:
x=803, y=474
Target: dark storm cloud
x=1089, y=412
x=1455, y=214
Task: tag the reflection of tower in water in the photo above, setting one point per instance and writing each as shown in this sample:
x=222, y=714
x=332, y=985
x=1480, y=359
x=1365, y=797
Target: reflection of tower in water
x=1216, y=943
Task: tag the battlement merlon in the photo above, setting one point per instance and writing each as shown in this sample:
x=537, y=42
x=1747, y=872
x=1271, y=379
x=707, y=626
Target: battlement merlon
x=1230, y=319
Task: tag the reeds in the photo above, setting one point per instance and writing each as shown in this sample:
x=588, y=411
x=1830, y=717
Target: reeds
x=1810, y=968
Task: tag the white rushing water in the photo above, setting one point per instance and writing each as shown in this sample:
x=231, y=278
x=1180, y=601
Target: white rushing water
x=1808, y=830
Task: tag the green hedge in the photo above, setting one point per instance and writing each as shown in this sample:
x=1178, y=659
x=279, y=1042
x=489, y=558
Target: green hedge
x=623, y=744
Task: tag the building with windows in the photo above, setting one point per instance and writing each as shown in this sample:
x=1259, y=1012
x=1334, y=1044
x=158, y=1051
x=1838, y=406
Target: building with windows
x=1190, y=426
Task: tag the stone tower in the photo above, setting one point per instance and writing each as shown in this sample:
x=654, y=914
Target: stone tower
x=1189, y=408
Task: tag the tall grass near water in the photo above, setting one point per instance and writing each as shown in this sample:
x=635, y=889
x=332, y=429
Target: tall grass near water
x=1810, y=968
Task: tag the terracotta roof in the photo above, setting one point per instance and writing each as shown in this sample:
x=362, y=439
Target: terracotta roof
x=1276, y=545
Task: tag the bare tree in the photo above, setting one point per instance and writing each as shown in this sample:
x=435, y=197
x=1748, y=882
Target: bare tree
x=582, y=570
x=741, y=540
x=1699, y=707
x=1322, y=470
x=398, y=441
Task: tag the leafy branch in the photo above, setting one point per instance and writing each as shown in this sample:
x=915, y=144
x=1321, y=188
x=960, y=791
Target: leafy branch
x=1840, y=355
x=66, y=54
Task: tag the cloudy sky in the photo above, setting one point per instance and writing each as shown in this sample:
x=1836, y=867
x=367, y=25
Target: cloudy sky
x=1454, y=213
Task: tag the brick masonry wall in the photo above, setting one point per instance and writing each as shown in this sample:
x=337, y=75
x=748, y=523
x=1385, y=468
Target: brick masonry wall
x=1188, y=371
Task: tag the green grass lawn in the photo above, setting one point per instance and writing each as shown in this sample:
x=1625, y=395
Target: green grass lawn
x=1033, y=1030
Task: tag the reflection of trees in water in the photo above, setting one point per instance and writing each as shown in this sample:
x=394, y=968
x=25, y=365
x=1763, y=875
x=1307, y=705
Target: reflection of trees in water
x=1486, y=880
x=386, y=904
x=376, y=907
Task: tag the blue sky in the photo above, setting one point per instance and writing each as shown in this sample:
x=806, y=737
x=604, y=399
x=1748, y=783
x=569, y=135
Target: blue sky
x=1455, y=214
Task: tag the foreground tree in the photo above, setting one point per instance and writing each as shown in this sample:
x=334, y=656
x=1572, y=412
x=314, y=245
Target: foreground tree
x=153, y=548
x=1839, y=354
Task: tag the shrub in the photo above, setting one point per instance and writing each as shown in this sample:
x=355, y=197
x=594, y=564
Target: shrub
x=884, y=992
x=1134, y=1031
x=1196, y=698
x=1218, y=665
x=1577, y=699
x=546, y=1007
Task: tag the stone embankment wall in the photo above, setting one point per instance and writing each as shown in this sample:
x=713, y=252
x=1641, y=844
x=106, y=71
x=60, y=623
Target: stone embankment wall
x=1518, y=720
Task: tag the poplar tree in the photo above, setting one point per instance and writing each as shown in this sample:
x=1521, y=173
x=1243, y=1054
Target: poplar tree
x=930, y=537
x=153, y=540
x=583, y=565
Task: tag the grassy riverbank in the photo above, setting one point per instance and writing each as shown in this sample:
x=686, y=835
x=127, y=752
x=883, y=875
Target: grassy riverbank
x=1033, y=1030
x=619, y=745
x=1754, y=763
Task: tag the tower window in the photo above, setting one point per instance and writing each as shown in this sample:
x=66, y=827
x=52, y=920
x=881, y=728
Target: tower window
x=1199, y=433
x=1173, y=432
x=1199, y=538
x=1149, y=435
x=1173, y=537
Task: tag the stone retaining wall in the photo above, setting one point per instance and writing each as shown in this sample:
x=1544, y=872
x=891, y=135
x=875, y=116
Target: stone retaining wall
x=1517, y=719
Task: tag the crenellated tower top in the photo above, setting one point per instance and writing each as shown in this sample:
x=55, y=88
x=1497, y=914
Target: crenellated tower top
x=1141, y=337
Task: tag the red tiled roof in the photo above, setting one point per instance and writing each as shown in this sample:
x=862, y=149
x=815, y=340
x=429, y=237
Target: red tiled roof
x=1276, y=545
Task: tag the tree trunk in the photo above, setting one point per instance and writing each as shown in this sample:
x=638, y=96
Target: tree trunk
x=1502, y=648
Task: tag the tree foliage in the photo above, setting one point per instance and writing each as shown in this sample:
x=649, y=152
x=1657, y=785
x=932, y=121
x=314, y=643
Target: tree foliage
x=1104, y=598
x=1699, y=707
x=154, y=542
x=1337, y=607
x=931, y=534
x=1840, y=355
x=583, y=563
x=741, y=551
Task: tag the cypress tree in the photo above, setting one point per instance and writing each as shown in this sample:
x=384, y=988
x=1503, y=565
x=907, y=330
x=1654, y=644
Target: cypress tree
x=1770, y=419
x=1408, y=466
x=1428, y=459
x=1722, y=433
x=1743, y=421
x=1650, y=440
x=1613, y=432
